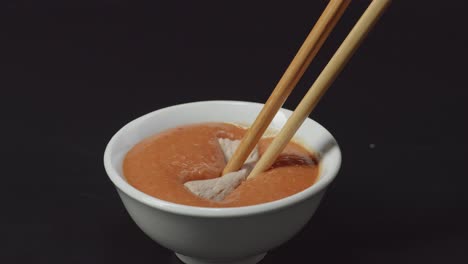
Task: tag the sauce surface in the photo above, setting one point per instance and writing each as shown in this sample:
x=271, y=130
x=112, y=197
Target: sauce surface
x=161, y=164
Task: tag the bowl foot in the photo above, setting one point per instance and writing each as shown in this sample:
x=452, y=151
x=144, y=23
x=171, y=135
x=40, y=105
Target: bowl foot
x=248, y=260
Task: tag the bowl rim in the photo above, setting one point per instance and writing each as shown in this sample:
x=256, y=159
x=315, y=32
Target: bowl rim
x=211, y=212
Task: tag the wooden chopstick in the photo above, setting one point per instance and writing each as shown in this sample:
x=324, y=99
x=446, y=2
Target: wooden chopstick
x=320, y=86
x=288, y=81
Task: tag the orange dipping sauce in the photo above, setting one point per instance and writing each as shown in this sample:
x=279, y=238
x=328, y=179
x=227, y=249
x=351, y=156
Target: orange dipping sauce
x=161, y=164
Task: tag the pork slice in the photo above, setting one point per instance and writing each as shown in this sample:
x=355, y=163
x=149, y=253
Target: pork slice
x=229, y=146
x=217, y=189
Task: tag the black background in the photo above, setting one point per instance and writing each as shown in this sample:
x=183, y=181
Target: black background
x=74, y=72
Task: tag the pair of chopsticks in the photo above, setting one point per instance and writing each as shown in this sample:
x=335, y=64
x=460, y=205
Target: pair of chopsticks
x=294, y=72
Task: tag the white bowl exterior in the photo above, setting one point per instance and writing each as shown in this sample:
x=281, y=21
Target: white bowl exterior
x=224, y=233
x=221, y=238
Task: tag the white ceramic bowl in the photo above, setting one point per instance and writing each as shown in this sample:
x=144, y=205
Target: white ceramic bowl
x=220, y=235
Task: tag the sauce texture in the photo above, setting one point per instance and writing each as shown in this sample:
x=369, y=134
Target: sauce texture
x=161, y=164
